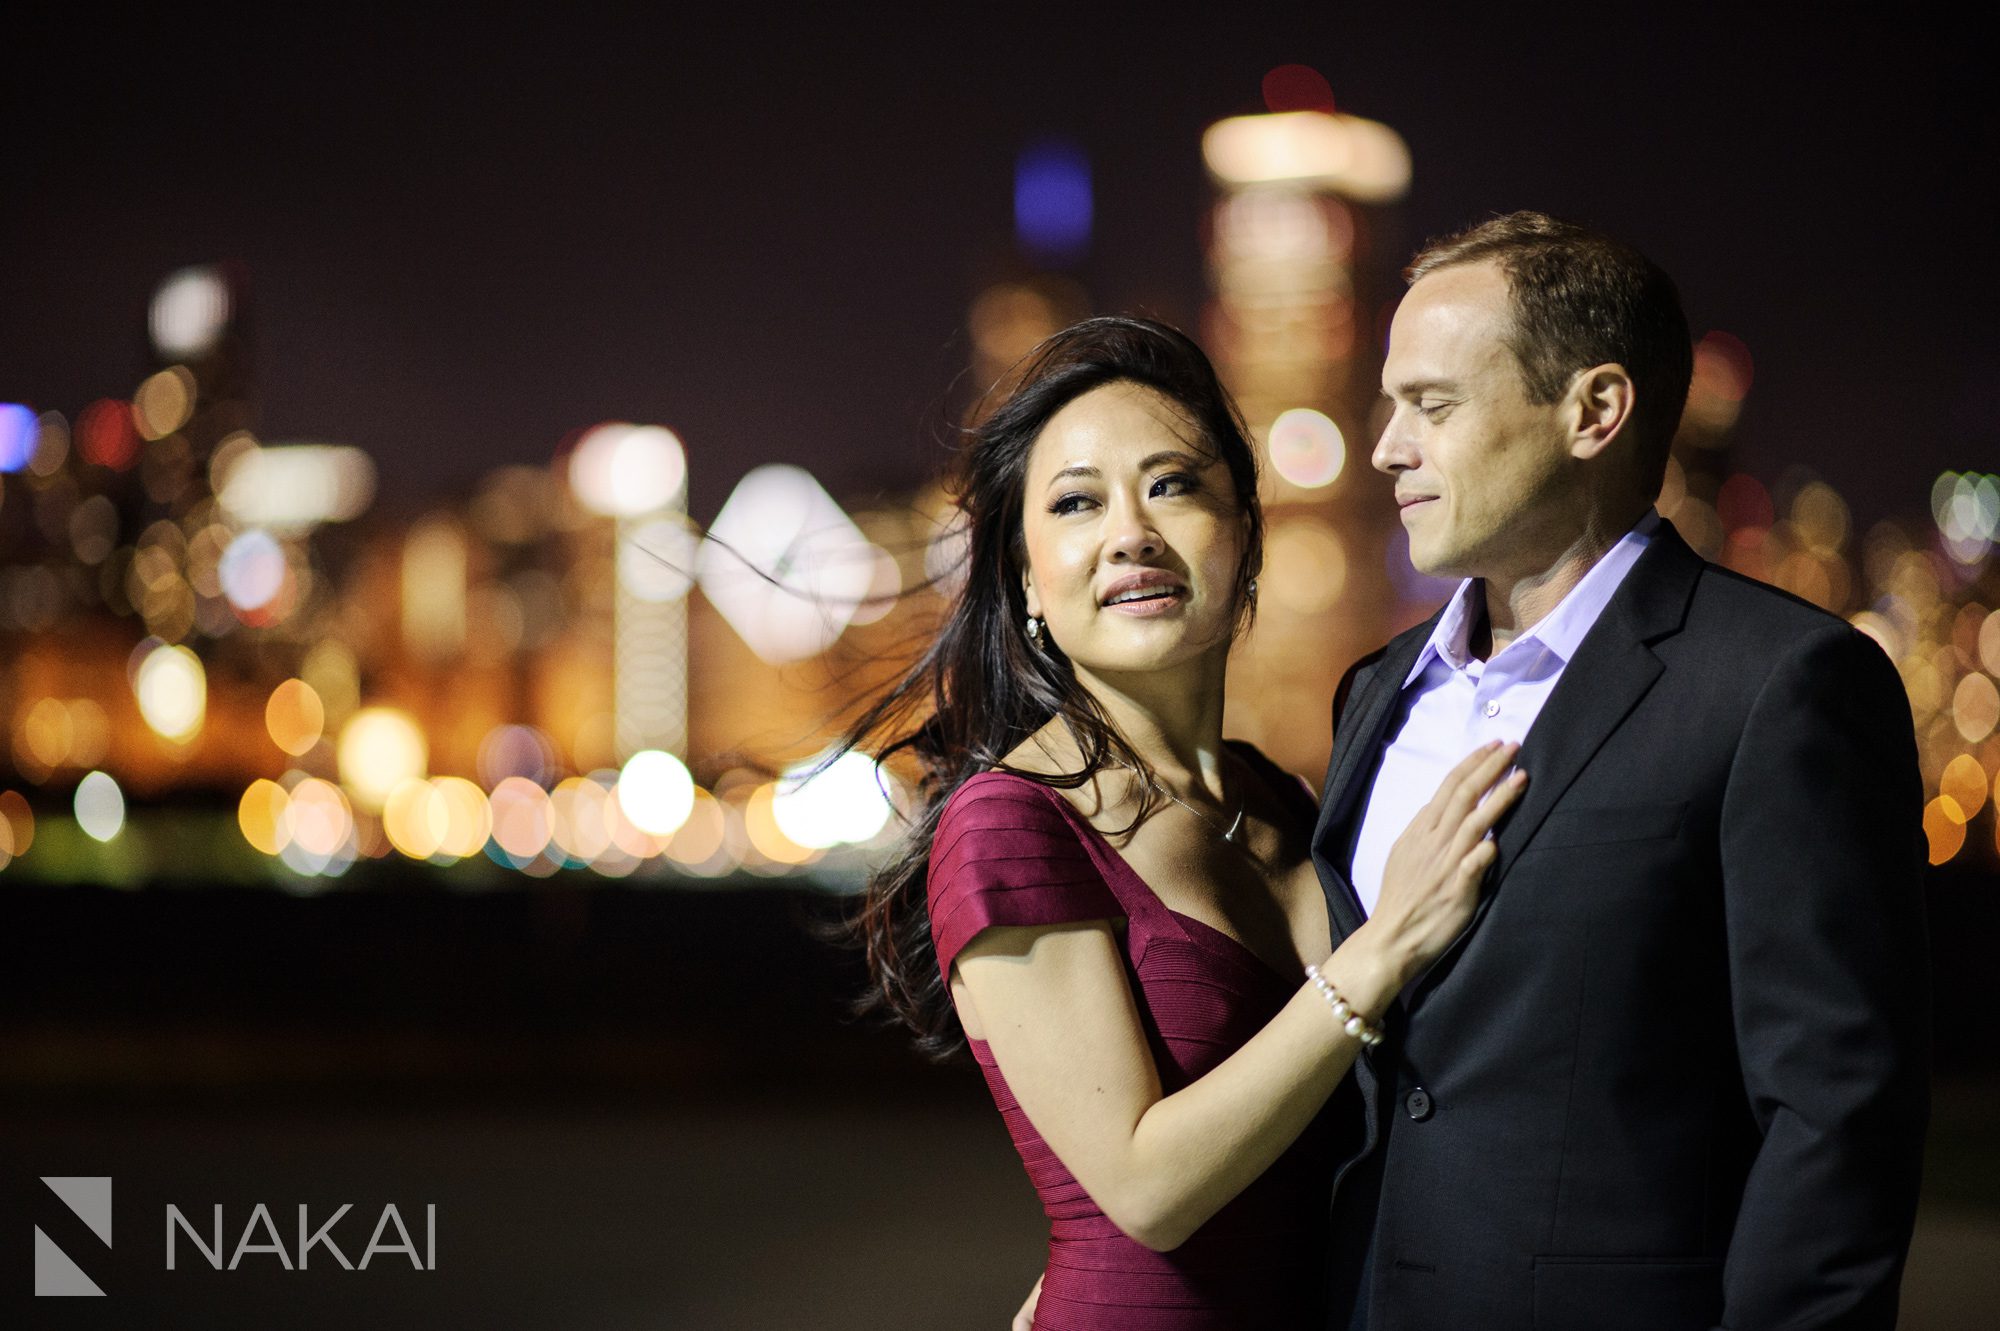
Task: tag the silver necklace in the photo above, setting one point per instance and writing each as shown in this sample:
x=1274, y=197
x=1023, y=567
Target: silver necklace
x=1228, y=834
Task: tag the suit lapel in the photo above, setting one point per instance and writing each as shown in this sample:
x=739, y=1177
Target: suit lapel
x=1357, y=739
x=1612, y=670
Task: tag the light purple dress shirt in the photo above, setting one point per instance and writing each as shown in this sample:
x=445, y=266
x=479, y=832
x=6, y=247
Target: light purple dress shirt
x=1453, y=702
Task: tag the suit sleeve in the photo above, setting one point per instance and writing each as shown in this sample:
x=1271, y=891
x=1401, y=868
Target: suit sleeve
x=1822, y=860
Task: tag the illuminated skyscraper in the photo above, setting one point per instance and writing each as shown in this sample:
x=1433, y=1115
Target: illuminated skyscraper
x=1291, y=327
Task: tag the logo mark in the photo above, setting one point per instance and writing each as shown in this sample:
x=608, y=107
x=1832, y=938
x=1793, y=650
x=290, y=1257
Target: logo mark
x=55, y=1273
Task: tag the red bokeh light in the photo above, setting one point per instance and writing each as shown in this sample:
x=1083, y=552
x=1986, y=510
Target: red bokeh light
x=1297, y=88
x=1723, y=365
x=1744, y=502
x=107, y=435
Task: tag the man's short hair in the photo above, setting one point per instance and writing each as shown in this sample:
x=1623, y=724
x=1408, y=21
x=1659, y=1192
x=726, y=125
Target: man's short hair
x=1583, y=299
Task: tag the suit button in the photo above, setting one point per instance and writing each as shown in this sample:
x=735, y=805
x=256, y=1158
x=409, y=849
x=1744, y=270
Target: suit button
x=1418, y=1104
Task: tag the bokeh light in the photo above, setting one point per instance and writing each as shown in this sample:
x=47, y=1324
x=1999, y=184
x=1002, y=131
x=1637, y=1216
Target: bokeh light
x=20, y=822
x=172, y=690
x=379, y=747
x=264, y=816
x=1361, y=159
x=1975, y=707
x=622, y=470
x=19, y=430
x=701, y=846
x=657, y=559
x=321, y=822
x=164, y=402
x=1052, y=201
x=1944, y=828
x=767, y=838
x=295, y=717
x=522, y=821
x=252, y=570
x=100, y=806
x=415, y=818
x=106, y=434
x=521, y=751
x=1723, y=365
x=294, y=487
x=332, y=672
x=468, y=817
x=1964, y=782
x=189, y=312
x=655, y=791
x=1297, y=88
x=1306, y=448
x=841, y=803
x=1305, y=566
x=785, y=565
x=578, y=811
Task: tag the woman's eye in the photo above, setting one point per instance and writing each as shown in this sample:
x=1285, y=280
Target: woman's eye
x=1068, y=504
x=1174, y=484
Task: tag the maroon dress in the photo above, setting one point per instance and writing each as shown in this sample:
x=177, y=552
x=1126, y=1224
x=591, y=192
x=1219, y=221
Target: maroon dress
x=1010, y=851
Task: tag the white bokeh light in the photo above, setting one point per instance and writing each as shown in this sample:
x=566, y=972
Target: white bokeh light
x=294, y=487
x=844, y=804
x=657, y=559
x=625, y=470
x=189, y=312
x=785, y=566
x=379, y=748
x=1306, y=448
x=100, y=806
x=656, y=792
x=172, y=690
x=251, y=570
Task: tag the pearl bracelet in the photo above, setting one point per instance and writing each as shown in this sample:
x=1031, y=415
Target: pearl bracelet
x=1350, y=1021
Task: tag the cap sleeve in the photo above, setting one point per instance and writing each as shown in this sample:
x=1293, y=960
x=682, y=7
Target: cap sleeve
x=1005, y=854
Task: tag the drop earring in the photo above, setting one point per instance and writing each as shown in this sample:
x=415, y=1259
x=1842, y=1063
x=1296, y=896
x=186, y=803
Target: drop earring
x=1034, y=630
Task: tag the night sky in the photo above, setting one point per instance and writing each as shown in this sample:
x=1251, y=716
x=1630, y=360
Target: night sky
x=469, y=235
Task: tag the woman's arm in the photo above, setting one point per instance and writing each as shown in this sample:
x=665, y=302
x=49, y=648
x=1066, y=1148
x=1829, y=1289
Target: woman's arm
x=1054, y=1005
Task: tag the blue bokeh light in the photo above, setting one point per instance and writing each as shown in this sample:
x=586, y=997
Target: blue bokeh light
x=19, y=429
x=1052, y=201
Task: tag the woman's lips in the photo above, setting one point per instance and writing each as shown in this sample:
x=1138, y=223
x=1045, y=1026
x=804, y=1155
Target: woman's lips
x=1159, y=603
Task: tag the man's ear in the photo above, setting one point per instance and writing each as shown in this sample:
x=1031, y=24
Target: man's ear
x=1600, y=402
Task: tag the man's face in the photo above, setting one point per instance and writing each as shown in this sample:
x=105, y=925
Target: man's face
x=1482, y=474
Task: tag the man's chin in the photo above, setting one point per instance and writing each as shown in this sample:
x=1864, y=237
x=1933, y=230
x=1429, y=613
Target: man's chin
x=1436, y=563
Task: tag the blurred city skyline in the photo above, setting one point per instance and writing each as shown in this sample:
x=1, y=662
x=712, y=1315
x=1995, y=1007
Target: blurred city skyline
x=464, y=244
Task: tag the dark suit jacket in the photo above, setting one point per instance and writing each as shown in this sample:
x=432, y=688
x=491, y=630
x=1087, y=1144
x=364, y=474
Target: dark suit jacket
x=1674, y=1074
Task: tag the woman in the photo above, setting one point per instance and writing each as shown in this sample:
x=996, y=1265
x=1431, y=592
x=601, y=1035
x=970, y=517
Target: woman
x=1111, y=902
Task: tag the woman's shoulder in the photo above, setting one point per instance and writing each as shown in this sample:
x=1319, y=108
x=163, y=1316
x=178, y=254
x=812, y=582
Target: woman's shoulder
x=1005, y=854
x=999, y=797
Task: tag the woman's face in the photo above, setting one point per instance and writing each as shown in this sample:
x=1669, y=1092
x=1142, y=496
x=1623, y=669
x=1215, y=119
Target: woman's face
x=1133, y=534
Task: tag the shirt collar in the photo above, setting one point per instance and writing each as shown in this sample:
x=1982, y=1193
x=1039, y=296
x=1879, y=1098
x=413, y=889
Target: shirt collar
x=1562, y=630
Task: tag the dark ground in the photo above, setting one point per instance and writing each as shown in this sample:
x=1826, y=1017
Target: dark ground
x=630, y=1108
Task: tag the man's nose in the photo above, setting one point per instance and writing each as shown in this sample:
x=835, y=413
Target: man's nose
x=1393, y=452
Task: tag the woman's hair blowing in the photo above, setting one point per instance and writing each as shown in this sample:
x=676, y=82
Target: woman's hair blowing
x=981, y=686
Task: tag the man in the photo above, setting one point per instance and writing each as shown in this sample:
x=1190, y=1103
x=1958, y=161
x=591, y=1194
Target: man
x=1673, y=1074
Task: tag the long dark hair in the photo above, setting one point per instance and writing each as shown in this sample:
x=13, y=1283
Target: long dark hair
x=981, y=687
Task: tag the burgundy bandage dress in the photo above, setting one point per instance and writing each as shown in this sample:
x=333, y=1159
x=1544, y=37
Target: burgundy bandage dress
x=1010, y=851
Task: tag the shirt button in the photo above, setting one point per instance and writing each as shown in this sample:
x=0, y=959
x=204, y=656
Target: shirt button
x=1418, y=1104
x=1493, y=707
